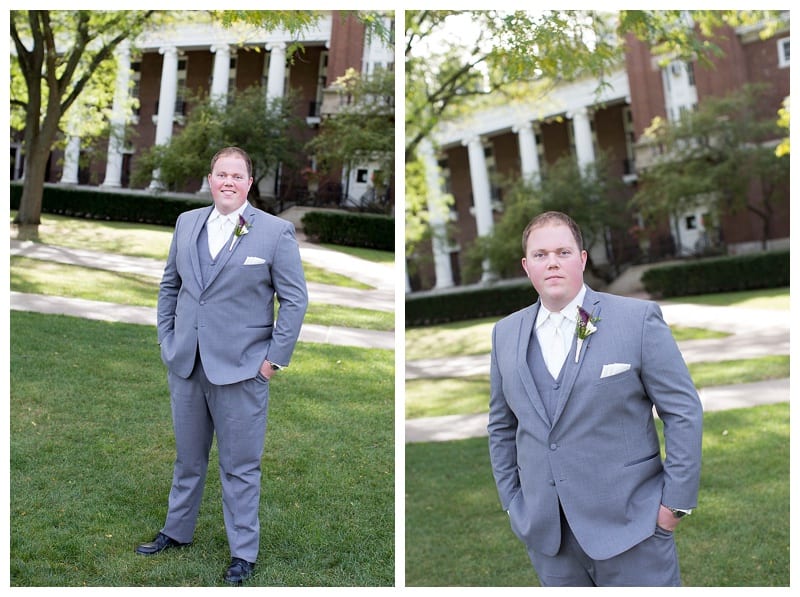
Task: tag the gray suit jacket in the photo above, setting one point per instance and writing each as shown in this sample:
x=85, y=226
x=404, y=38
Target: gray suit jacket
x=600, y=458
x=231, y=318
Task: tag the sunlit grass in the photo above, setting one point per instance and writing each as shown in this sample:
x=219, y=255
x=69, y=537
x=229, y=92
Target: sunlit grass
x=458, y=535
x=470, y=395
x=91, y=453
x=145, y=240
x=769, y=298
x=474, y=337
x=57, y=279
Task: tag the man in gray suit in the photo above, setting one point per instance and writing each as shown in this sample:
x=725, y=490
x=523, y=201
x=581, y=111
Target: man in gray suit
x=221, y=343
x=573, y=445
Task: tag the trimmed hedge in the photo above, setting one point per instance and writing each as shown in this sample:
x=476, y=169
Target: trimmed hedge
x=502, y=298
x=110, y=205
x=721, y=274
x=372, y=231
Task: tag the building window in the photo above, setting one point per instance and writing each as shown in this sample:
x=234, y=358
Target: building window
x=690, y=72
x=691, y=222
x=783, y=53
x=180, y=94
x=361, y=175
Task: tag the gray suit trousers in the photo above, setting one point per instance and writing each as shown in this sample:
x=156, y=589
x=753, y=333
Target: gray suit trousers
x=237, y=413
x=651, y=563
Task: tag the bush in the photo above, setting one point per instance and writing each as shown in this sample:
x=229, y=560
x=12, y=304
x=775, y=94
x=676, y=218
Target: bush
x=110, y=205
x=430, y=308
x=722, y=274
x=372, y=231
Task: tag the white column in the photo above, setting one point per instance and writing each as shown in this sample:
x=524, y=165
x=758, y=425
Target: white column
x=219, y=88
x=221, y=73
x=116, y=138
x=528, y=155
x=275, y=88
x=582, y=131
x=584, y=150
x=438, y=213
x=72, y=154
x=277, y=69
x=166, y=102
x=481, y=192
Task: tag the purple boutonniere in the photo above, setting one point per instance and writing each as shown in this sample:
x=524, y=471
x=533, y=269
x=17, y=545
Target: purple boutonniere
x=241, y=229
x=583, y=329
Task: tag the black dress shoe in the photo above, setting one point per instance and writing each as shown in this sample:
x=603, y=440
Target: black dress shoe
x=238, y=571
x=157, y=545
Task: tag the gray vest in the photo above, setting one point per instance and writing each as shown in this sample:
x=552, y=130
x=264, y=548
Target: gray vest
x=549, y=389
x=207, y=264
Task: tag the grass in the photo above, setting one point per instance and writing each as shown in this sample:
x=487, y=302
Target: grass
x=474, y=337
x=373, y=255
x=57, y=279
x=91, y=451
x=144, y=240
x=469, y=395
x=457, y=535
x=769, y=298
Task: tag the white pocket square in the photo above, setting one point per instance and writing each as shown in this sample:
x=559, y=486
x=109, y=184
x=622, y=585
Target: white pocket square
x=614, y=369
x=253, y=261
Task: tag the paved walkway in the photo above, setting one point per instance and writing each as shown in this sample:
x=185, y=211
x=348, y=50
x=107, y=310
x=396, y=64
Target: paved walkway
x=755, y=332
x=379, y=276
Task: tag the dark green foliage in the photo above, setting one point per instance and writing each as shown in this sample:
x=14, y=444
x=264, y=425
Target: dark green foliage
x=468, y=303
x=110, y=205
x=722, y=274
x=373, y=231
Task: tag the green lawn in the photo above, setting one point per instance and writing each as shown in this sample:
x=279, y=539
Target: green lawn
x=468, y=395
x=58, y=279
x=457, y=535
x=91, y=453
x=769, y=298
x=474, y=336
x=144, y=240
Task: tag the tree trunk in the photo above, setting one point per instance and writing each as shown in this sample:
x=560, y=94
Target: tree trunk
x=38, y=142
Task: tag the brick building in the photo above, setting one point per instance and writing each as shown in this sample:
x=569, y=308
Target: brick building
x=524, y=138
x=164, y=69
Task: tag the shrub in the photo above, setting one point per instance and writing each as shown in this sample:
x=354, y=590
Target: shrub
x=429, y=308
x=372, y=231
x=721, y=274
x=117, y=206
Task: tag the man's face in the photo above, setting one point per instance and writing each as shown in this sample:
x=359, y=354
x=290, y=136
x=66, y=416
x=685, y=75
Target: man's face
x=229, y=183
x=554, y=264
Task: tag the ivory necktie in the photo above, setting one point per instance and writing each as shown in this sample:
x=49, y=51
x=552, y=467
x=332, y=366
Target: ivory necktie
x=558, y=351
x=217, y=235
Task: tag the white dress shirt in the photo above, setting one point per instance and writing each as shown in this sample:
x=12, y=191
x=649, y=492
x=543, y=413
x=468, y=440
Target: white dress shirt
x=554, y=357
x=219, y=228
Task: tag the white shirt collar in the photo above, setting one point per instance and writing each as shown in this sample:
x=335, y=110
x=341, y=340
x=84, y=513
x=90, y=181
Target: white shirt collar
x=233, y=216
x=569, y=312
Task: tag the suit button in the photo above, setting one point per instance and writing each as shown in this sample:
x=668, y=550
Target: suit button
x=554, y=447
x=551, y=482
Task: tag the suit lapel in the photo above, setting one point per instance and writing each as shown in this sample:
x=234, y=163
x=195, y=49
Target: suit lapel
x=195, y=257
x=523, y=341
x=591, y=302
x=227, y=251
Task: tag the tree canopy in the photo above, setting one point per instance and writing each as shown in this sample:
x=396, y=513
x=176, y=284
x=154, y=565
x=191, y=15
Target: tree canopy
x=713, y=157
x=457, y=61
x=63, y=72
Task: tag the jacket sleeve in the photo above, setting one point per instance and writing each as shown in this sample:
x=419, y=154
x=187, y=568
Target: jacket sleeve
x=289, y=283
x=669, y=386
x=168, y=290
x=502, y=430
